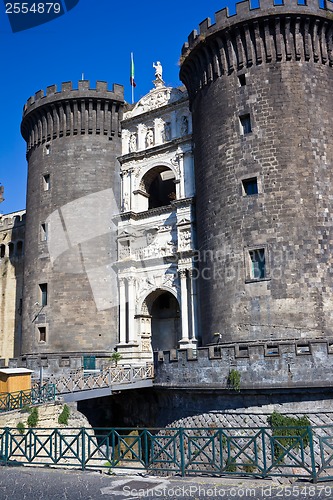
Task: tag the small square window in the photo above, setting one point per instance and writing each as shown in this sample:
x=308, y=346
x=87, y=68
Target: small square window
x=46, y=182
x=43, y=294
x=257, y=264
x=41, y=333
x=250, y=186
x=245, y=124
x=242, y=80
x=43, y=231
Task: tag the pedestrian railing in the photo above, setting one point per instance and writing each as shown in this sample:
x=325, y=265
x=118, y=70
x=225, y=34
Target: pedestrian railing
x=119, y=375
x=305, y=452
x=16, y=400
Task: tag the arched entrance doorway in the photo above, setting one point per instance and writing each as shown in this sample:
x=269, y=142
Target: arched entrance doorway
x=164, y=311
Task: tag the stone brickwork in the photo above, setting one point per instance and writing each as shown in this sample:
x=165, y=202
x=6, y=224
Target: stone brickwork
x=73, y=140
x=12, y=229
x=261, y=366
x=260, y=92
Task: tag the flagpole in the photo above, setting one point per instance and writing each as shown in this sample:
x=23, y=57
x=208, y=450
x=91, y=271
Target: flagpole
x=132, y=94
x=132, y=77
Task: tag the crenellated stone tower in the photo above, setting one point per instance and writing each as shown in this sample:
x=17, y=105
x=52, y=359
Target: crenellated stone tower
x=260, y=86
x=73, y=140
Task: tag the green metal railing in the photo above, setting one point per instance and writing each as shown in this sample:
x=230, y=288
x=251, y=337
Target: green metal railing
x=305, y=452
x=16, y=400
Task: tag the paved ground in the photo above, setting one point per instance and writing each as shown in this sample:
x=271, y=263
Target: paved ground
x=32, y=483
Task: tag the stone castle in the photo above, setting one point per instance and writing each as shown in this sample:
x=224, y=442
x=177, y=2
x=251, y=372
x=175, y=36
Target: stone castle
x=201, y=216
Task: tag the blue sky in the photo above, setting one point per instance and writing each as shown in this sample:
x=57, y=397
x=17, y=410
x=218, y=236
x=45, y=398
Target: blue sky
x=96, y=38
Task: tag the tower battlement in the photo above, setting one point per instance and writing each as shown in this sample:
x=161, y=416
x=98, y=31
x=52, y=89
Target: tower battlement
x=71, y=111
x=9, y=221
x=68, y=92
x=244, y=12
x=271, y=33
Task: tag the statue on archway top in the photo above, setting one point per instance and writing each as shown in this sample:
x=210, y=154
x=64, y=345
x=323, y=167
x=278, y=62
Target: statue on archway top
x=158, y=82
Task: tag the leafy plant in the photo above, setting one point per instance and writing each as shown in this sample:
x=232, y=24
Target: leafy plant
x=234, y=379
x=20, y=427
x=115, y=356
x=64, y=416
x=231, y=465
x=33, y=418
x=290, y=432
x=25, y=409
x=110, y=471
x=249, y=467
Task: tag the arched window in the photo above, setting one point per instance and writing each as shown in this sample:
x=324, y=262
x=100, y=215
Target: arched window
x=159, y=186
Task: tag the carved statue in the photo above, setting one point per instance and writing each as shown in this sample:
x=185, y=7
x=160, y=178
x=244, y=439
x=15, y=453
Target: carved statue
x=158, y=70
x=132, y=143
x=149, y=138
x=167, y=131
x=184, y=126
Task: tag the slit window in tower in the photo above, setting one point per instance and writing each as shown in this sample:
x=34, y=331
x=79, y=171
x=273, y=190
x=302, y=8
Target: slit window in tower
x=245, y=124
x=257, y=264
x=250, y=186
x=46, y=182
x=42, y=333
x=2, y=251
x=43, y=231
x=11, y=249
x=43, y=294
x=242, y=80
x=19, y=248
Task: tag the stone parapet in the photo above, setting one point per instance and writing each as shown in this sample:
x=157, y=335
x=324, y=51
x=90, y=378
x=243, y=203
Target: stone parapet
x=9, y=221
x=260, y=365
x=56, y=364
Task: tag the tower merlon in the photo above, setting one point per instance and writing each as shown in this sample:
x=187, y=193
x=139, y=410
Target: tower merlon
x=68, y=92
x=244, y=11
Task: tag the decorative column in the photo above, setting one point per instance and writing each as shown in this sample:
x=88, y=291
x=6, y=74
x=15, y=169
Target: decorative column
x=132, y=334
x=130, y=191
x=141, y=136
x=184, y=307
x=173, y=125
x=194, y=339
x=122, y=316
x=180, y=157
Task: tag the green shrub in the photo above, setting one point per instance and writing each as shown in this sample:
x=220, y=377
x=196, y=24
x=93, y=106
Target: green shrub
x=230, y=465
x=115, y=357
x=20, y=427
x=290, y=427
x=234, y=379
x=33, y=418
x=249, y=467
x=64, y=416
x=25, y=409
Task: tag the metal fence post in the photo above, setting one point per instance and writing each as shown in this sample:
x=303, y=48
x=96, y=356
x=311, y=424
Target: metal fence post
x=145, y=454
x=7, y=436
x=83, y=452
x=312, y=454
x=182, y=451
